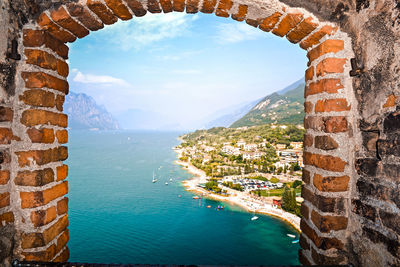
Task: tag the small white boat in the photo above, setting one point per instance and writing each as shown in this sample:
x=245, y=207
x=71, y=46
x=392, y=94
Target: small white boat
x=292, y=236
x=154, y=179
x=295, y=241
x=254, y=218
x=170, y=179
x=166, y=183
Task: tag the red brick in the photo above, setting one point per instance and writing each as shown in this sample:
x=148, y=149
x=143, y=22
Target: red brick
x=38, y=98
x=253, y=22
x=119, y=9
x=82, y=14
x=324, y=243
x=309, y=74
x=43, y=256
x=41, y=198
x=192, y=6
x=4, y=199
x=330, y=86
x=4, y=177
x=63, y=257
x=335, y=124
x=6, y=114
x=325, y=142
x=62, y=136
x=33, y=117
x=324, y=204
x=59, y=33
x=38, y=38
x=330, y=65
x=306, y=177
x=43, y=217
x=5, y=156
x=329, y=105
x=35, y=178
x=327, y=223
x=62, y=172
x=41, y=157
x=6, y=136
x=32, y=240
x=305, y=211
x=240, y=15
x=62, y=206
x=45, y=60
x=314, y=38
x=153, y=6
x=325, y=162
x=57, y=228
x=166, y=6
x=136, y=7
x=43, y=135
x=308, y=140
x=60, y=102
x=62, y=18
x=208, y=6
x=269, y=23
x=62, y=240
x=6, y=218
x=329, y=46
x=223, y=8
x=308, y=107
x=390, y=101
x=287, y=23
x=106, y=16
x=303, y=29
x=41, y=79
x=331, y=183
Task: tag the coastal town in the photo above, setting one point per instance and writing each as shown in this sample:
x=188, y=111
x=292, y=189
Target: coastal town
x=256, y=167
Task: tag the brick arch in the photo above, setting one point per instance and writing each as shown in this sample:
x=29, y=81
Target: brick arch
x=36, y=135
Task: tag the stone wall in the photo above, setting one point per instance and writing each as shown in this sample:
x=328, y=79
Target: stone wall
x=352, y=144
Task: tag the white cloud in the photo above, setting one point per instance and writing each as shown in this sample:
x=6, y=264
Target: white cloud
x=149, y=29
x=237, y=32
x=98, y=79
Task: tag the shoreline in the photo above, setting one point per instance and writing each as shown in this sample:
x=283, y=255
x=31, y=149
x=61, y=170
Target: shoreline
x=237, y=198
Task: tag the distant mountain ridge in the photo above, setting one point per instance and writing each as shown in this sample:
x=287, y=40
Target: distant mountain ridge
x=282, y=107
x=231, y=114
x=84, y=113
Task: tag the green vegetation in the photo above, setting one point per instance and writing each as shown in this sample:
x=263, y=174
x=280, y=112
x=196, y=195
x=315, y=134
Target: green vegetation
x=233, y=186
x=289, y=201
x=277, y=109
x=212, y=185
x=274, y=180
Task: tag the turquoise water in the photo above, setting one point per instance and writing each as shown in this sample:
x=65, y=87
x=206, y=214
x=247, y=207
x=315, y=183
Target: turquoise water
x=117, y=215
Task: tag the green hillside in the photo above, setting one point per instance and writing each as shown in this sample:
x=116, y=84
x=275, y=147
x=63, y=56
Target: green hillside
x=276, y=108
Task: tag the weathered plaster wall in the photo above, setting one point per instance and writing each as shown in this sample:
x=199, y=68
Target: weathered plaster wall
x=370, y=231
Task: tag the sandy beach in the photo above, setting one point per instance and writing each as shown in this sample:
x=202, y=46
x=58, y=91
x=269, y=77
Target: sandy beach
x=235, y=197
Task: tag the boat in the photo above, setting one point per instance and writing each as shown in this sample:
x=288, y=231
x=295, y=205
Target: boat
x=220, y=207
x=196, y=197
x=154, y=179
x=166, y=183
x=295, y=241
x=209, y=206
x=170, y=179
x=254, y=218
x=290, y=235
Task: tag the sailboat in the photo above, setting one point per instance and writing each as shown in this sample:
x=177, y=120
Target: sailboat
x=154, y=179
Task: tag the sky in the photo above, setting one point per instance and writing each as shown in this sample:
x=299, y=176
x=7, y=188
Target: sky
x=181, y=68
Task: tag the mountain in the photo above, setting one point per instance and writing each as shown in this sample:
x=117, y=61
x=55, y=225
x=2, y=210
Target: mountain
x=282, y=107
x=84, y=113
x=227, y=116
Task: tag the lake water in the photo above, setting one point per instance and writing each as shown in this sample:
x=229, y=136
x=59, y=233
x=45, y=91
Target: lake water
x=117, y=215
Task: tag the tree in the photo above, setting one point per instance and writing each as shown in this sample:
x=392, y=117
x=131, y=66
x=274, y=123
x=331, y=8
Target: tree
x=296, y=183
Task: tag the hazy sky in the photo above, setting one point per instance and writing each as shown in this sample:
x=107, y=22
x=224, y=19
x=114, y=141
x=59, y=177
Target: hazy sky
x=183, y=66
